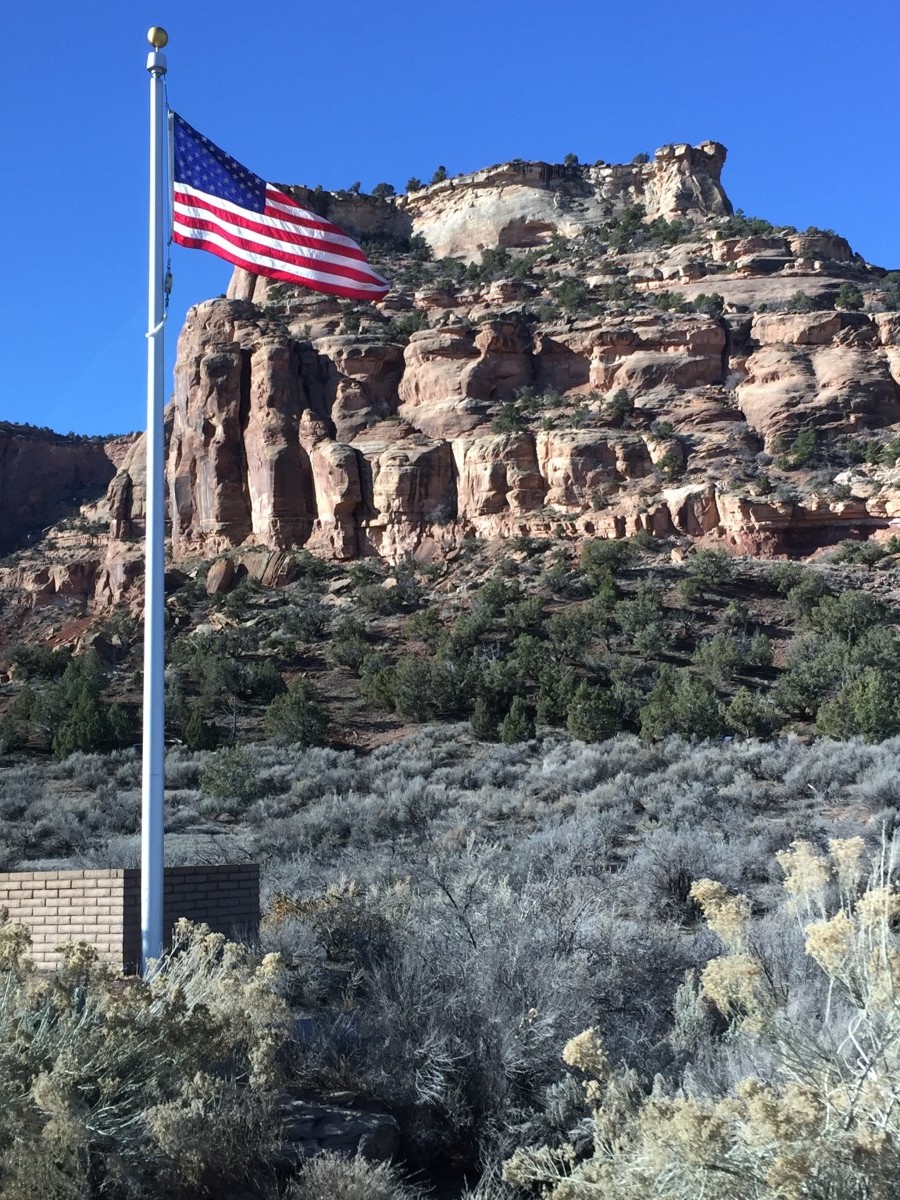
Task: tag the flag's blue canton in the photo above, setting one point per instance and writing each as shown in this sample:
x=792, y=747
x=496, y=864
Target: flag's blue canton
x=200, y=164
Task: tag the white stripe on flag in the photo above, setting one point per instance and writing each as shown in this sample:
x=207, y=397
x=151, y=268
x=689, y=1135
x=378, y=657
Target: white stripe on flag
x=249, y=260
x=187, y=214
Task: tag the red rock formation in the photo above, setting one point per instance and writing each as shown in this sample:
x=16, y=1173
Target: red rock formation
x=286, y=430
x=44, y=477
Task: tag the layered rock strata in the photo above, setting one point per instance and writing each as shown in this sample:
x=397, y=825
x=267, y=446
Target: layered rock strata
x=469, y=405
x=44, y=477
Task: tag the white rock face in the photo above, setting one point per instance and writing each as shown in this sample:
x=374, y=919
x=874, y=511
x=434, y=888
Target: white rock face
x=525, y=204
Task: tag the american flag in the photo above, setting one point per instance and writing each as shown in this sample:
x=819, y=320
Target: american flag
x=222, y=207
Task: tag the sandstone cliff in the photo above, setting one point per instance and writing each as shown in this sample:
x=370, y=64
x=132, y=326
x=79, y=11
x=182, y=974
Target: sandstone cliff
x=45, y=476
x=620, y=354
x=526, y=204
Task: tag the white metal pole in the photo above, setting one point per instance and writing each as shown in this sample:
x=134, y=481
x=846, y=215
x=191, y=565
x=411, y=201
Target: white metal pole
x=154, y=596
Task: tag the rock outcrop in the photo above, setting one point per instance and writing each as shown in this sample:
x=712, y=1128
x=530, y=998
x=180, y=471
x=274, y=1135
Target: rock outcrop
x=524, y=205
x=566, y=388
x=45, y=477
x=312, y=1126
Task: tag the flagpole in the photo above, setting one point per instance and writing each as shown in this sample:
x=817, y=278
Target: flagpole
x=152, y=775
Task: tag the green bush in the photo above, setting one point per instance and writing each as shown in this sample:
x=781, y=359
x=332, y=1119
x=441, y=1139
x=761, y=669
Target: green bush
x=260, y=681
x=376, y=681
x=759, y=652
x=740, y=225
x=401, y=327
x=518, y=724
x=297, y=716
x=806, y=594
x=486, y=717
x=72, y=714
x=749, y=714
x=803, y=453
x=620, y=407
x=86, y=728
x=524, y=614
x=669, y=301
x=508, y=420
x=814, y=670
x=603, y=558
x=556, y=687
x=712, y=305
x=347, y=646
x=470, y=628
x=867, y=707
x=385, y=601
x=592, y=714
x=849, y=615
x=426, y=624
x=891, y=285
x=643, y=610
x=849, y=297
x=528, y=656
x=801, y=302
x=427, y=688
x=198, y=733
x=496, y=594
x=711, y=568
x=717, y=658
x=682, y=704
x=866, y=553
x=571, y=631
x=307, y=621
x=39, y=662
x=671, y=466
x=663, y=430
x=572, y=294
x=231, y=777
x=736, y=615
x=783, y=576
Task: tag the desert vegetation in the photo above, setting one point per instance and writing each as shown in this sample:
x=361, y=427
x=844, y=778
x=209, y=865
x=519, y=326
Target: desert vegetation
x=615, y=638
x=448, y=914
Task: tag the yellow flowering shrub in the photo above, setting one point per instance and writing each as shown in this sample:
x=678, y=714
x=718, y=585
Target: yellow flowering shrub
x=126, y=1087
x=822, y=1122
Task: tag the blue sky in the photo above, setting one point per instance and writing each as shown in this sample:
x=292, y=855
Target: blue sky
x=803, y=94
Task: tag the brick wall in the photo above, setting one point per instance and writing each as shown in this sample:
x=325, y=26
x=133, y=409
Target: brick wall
x=103, y=907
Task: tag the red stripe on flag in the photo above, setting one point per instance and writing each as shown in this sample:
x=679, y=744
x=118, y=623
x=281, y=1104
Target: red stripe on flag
x=257, y=223
x=275, y=232
x=304, y=215
x=311, y=262
x=249, y=264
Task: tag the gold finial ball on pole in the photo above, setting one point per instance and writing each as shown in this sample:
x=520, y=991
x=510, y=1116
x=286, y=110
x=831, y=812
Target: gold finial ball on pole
x=157, y=37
